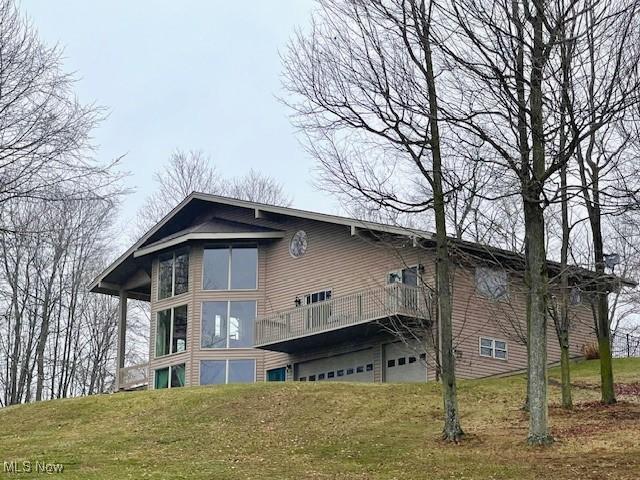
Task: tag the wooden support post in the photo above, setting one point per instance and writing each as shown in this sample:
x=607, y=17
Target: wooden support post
x=122, y=335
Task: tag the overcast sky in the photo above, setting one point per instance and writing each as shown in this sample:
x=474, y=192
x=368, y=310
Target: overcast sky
x=190, y=74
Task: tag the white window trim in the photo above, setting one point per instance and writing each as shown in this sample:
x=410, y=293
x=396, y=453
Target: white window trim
x=226, y=347
x=230, y=252
x=484, y=295
x=493, y=348
x=155, y=387
x=226, y=369
x=155, y=343
x=173, y=275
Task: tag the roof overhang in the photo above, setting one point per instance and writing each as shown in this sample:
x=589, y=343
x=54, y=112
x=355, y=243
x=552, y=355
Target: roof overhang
x=205, y=236
x=142, y=248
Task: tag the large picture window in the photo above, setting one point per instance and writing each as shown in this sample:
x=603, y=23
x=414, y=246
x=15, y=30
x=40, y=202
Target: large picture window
x=230, y=268
x=170, y=377
x=228, y=324
x=173, y=274
x=218, y=372
x=171, y=331
x=492, y=283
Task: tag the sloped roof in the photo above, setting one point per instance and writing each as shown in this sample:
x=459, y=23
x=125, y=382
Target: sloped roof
x=232, y=229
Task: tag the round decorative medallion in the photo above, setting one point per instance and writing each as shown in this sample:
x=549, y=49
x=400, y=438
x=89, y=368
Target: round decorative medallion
x=298, y=245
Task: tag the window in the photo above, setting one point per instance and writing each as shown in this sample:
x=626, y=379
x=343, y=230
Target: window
x=369, y=367
x=349, y=371
x=391, y=363
x=402, y=361
x=312, y=378
x=228, y=324
x=173, y=274
x=491, y=283
x=340, y=373
x=359, y=369
x=493, y=348
x=170, y=377
x=171, y=331
x=230, y=268
x=321, y=376
x=317, y=297
x=575, y=297
x=219, y=372
x=412, y=359
x=406, y=276
x=330, y=374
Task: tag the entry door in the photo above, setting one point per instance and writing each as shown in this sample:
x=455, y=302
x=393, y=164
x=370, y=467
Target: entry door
x=403, y=298
x=403, y=363
x=276, y=375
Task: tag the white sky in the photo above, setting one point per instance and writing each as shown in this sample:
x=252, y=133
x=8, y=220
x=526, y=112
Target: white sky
x=185, y=74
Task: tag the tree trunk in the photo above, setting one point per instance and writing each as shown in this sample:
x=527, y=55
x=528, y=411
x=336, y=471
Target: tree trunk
x=604, y=348
x=537, y=341
x=452, y=430
x=532, y=190
x=565, y=373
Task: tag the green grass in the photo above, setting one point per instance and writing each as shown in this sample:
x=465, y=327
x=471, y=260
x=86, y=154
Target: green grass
x=327, y=431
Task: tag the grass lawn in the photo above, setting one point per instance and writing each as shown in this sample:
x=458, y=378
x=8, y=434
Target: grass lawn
x=329, y=431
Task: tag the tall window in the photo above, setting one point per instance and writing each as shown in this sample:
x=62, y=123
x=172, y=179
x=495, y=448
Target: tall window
x=173, y=274
x=170, y=377
x=171, y=331
x=214, y=372
x=491, y=283
x=230, y=268
x=228, y=324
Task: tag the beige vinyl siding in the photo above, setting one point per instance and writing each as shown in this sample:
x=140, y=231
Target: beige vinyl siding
x=337, y=260
x=475, y=316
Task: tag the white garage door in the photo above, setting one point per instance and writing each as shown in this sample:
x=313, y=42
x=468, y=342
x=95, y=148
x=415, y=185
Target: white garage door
x=403, y=363
x=348, y=367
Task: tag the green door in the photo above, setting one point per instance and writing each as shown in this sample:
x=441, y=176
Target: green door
x=276, y=375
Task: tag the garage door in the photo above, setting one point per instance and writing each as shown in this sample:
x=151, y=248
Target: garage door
x=403, y=363
x=348, y=367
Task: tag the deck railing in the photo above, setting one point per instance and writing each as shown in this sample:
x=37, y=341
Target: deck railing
x=133, y=377
x=360, y=307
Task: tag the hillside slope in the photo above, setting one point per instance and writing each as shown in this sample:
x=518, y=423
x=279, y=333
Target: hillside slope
x=328, y=430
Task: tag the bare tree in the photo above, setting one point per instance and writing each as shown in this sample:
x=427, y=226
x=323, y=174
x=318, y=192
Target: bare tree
x=194, y=171
x=604, y=89
x=363, y=82
x=506, y=94
x=44, y=130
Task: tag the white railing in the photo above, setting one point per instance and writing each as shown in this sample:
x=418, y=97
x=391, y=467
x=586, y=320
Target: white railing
x=133, y=377
x=360, y=307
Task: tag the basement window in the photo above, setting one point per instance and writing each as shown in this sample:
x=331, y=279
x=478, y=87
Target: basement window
x=217, y=372
x=490, y=347
x=170, y=377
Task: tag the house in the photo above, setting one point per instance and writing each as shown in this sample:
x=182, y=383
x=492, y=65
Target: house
x=243, y=292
